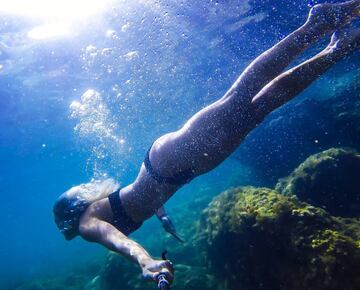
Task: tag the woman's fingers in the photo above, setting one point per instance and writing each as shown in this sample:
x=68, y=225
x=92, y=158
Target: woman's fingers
x=149, y=276
x=167, y=264
x=156, y=268
x=153, y=276
x=167, y=269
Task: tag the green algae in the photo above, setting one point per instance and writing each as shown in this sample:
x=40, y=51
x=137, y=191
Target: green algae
x=256, y=236
x=333, y=242
x=247, y=239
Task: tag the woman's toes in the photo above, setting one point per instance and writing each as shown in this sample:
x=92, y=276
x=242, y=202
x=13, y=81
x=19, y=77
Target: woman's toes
x=330, y=17
x=345, y=41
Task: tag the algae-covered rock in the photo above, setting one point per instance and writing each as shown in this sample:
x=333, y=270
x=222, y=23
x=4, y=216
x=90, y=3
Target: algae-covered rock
x=256, y=238
x=74, y=280
x=330, y=179
x=71, y=283
x=120, y=274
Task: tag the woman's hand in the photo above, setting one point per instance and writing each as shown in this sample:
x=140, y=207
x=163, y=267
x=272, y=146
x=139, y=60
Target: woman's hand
x=151, y=269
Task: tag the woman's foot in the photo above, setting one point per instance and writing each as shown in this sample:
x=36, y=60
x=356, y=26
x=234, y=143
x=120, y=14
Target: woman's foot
x=327, y=17
x=344, y=42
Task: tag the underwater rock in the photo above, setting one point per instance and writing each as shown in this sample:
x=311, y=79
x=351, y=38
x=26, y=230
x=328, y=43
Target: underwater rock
x=256, y=238
x=72, y=282
x=74, y=279
x=118, y=273
x=194, y=278
x=330, y=179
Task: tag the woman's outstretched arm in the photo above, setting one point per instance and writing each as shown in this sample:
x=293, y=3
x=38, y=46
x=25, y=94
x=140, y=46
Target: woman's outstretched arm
x=93, y=229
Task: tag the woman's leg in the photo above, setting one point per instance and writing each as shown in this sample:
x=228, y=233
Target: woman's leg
x=212, y=134
x=292, y=82
x=322, y=19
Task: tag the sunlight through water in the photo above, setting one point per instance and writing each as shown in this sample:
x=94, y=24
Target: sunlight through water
x=57, y=17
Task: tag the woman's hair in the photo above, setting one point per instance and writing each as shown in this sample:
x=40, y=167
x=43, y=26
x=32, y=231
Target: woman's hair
x=72, y=204
x=93, y=190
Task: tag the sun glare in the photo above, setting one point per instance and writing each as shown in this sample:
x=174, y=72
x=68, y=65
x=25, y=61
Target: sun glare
x=50, y=30
x=58, y=17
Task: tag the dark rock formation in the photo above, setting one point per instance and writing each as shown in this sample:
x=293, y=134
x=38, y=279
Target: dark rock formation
x=330, y=179
x=119, y=274
x=256, y=238
x=76, y=279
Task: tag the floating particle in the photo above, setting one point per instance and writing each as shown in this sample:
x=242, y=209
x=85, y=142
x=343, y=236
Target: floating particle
x=131, y=55
x=125, y=27
x=110, y=33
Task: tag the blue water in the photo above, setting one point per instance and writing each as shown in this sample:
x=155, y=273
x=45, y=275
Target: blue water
x=151, y=65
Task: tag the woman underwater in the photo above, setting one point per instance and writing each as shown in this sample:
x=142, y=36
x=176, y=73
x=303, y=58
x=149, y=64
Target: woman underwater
x=205, y=140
